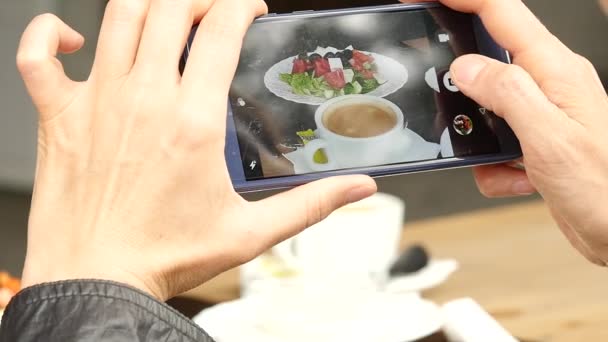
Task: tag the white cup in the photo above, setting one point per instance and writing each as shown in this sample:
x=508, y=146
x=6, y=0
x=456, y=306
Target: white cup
x=348, y=152
x=353, y=247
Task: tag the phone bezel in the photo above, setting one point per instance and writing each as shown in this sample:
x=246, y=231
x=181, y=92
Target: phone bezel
x=486, y=45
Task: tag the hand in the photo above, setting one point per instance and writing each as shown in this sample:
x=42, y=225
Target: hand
x=604, y=5
x=131, y=182
x=554, y=101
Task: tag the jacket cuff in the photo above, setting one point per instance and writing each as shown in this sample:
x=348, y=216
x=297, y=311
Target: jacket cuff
x=91, y=307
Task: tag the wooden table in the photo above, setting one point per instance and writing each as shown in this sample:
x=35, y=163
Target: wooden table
x=514, y=262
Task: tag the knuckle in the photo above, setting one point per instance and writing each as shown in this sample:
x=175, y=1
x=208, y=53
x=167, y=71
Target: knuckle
x=564, y=89
x=317, y=209
x=170, y=4
x=251, y=8
x=187, y=3
x=561, y=93
x=145, y=75
x=27, y=62
x=45, y=19
x=195, y=134
x=512, y=79
x=30, y=57
x=584, y=62
x=505, y=83
x=235, y=24
x=220, y=29
x=261, y=7
x=126, y=10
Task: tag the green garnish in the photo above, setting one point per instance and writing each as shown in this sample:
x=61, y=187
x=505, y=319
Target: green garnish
x=308, y=136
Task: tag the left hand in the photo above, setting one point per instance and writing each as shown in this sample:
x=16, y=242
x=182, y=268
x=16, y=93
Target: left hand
x=131, y=182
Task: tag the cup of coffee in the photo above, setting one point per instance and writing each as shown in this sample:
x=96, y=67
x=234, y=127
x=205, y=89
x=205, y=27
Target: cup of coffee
x=353, y=248
x=356, y=131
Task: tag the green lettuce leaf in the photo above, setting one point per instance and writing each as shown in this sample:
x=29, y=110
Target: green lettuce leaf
x=369, y=85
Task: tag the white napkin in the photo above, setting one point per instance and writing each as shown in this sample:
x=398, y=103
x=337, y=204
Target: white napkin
x=467, y=321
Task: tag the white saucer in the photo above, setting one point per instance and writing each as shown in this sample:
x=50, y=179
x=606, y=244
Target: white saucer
x=434, y=274
x=381, y=318
x=419, y=150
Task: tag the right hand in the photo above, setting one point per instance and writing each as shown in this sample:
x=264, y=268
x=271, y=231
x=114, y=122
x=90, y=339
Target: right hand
x=555, y=103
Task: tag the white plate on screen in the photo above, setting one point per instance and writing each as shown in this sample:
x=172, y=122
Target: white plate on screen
x=395, y=74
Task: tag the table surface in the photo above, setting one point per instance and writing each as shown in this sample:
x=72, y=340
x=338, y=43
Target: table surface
x=514, y=262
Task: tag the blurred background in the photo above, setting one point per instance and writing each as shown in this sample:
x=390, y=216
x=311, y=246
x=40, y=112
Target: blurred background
x=580, y=24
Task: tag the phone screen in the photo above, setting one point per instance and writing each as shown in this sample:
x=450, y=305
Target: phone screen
x=354, y=91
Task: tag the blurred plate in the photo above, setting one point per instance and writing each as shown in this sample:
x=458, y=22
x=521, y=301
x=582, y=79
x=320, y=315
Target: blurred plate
x=378, y=318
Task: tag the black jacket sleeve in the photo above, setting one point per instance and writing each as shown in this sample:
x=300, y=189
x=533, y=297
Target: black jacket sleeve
x=92, y=310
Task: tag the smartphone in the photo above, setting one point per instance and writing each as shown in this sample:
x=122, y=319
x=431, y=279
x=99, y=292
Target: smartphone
x=358, y=91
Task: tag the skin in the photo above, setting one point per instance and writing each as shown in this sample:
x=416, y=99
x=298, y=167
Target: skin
x=555, y=103
x=131, y=181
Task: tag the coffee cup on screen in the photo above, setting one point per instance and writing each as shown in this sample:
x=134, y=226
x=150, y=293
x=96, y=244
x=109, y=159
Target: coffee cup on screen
x=356, y=131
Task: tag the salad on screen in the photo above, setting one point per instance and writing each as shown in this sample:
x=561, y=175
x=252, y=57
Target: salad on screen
x=328, y=74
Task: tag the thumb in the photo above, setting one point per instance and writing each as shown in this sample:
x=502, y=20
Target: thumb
x=289, y=213
x=42, y=72
x=510, y=92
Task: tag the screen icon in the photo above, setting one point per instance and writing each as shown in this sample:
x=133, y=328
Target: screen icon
x=253, y=165
x=463, y=125
x=448, y=82
x=443, y=37
x=431, y=79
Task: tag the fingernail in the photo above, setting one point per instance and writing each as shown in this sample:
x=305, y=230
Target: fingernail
x=466, y=69
x=523, y=188
x=359, y=193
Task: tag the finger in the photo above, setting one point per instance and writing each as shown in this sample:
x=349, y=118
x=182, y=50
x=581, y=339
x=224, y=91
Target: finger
x=510, y=23
x=216, y=50
x=165, y=34
x=514, y=27
x=42, y=72
x=288, y=214
x=119, y=37
x=502, y=181
x=604, y=6
x=510, y=92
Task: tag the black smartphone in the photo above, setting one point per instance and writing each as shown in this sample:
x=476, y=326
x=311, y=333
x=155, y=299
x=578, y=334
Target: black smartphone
x=358, y=91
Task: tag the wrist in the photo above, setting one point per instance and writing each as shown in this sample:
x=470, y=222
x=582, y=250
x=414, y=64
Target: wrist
x=36, y=273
